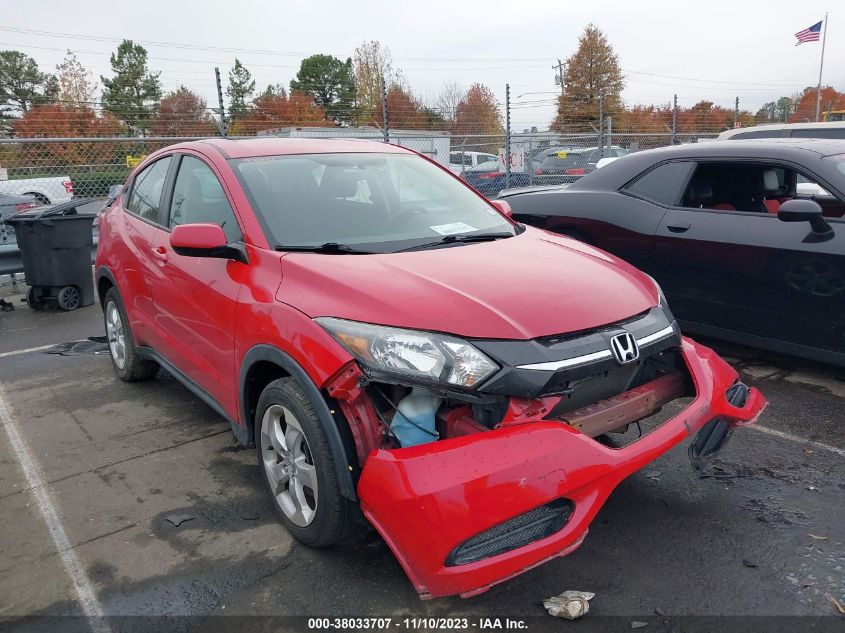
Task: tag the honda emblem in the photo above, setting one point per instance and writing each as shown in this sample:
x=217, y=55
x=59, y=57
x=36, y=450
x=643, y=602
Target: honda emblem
x=624, y=348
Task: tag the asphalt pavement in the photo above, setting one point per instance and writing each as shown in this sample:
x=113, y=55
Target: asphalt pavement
x=134, y=501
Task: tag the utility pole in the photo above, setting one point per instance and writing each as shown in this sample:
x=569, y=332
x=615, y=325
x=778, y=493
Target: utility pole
x=224, y=128
x=384, y=110
x=674, y=119
x=736, y=112
x=507, y=135
x=559, y=78
x=821, y=66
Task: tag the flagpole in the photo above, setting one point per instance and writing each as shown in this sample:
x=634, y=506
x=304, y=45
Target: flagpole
x=821, y=66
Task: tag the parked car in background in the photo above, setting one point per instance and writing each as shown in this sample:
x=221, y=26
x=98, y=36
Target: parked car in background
x=400, y=351
x=568, y=165
x=461, y=161
x=9, y=205
x=742, y=248
x=489, y=178
x=47, y=190
x=835, y=130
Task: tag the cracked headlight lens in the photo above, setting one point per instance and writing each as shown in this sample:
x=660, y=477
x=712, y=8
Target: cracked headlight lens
x=421, y=355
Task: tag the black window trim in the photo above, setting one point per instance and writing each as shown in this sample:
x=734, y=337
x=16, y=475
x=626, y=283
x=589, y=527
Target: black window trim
x=165, y=192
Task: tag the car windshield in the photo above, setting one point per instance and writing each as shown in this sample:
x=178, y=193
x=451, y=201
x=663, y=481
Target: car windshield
x=376, y=202
x=565, y=159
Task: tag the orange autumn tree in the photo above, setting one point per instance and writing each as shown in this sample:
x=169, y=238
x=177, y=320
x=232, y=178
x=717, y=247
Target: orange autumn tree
x=805, y=109
x=183, y=113
x=279, y=110
x=404, y=111
x=59, y=121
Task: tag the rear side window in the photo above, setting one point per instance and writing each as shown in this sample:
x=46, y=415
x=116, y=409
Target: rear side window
x=833, y=132
x=663, y=184
x=147, y=190
x=758, y=134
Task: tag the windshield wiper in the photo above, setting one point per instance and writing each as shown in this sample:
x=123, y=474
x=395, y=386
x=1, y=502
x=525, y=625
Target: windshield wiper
x=329, y=248
x=458, y=239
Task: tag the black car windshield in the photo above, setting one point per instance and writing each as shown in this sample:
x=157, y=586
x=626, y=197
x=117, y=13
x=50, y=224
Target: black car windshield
x=377, y=202
x=562, y=160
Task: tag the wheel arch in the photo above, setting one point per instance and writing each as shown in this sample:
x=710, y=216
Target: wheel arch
x=104, y=282
x=261, y=365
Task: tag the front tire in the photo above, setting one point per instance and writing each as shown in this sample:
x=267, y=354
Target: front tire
x=126, y=360
x=297, y=466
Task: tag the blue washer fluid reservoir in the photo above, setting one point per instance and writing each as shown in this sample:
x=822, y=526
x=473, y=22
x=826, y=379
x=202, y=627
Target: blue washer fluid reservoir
x=413, y=422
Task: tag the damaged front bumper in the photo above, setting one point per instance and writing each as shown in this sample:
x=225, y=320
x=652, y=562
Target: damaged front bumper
x=466, y=513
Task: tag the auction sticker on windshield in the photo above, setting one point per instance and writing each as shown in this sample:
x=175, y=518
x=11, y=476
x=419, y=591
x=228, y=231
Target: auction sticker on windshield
x=454, y=227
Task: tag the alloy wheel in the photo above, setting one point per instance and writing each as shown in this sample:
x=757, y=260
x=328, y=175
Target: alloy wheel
x=115, y=335
x=289, y=465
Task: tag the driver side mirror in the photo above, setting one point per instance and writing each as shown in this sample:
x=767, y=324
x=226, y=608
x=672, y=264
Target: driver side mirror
x=503, y=207
x=205, y=240
x=806, y=211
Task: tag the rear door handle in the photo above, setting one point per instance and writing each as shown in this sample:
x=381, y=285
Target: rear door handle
x=160, y=254
x=678, y=227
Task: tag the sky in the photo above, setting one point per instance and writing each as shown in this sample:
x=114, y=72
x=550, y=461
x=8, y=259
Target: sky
x=716, y=50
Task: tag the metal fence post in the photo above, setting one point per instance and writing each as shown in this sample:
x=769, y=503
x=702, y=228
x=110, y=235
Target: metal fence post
x=507, y=135
x=384, y=110
x=529, y=163
x=224, y=128
x=600, y=142
x=609, y=134
x=674, y=120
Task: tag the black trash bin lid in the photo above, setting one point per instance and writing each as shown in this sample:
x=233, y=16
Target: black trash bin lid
x=53, y=212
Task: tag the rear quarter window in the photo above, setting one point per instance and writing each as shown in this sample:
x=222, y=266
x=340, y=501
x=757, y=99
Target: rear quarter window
x=662, y=184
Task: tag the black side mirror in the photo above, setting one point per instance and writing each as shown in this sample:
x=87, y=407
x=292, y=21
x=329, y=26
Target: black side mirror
x=806, y=211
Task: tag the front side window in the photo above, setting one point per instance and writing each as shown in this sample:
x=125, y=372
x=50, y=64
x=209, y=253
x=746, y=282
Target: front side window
x=147, y=189
x=198, y=198
x=384, y=201
x=662, y=184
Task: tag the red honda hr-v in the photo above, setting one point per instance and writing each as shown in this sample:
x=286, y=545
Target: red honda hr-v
x=398, y=349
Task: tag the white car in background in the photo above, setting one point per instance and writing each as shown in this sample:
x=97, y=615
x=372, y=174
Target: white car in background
x=460, y=161
x=48, y=190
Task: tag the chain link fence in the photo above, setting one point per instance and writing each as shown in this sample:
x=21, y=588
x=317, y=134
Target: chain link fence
x=39, y=171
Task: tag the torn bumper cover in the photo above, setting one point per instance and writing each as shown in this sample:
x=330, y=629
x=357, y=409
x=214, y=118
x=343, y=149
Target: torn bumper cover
x=466, y=513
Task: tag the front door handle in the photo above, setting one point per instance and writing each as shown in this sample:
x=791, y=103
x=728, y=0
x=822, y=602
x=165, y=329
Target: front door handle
x=678, y=227
x=160, y=254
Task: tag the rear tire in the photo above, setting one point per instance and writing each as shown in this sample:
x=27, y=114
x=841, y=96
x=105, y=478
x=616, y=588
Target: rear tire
x=297, y=466
x=126, y=360
x=34, y=301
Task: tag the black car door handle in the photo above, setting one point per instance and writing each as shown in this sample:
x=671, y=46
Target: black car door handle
x=678, y=227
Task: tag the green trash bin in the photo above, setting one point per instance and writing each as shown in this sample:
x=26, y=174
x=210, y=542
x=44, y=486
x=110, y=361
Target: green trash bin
x=55, y=245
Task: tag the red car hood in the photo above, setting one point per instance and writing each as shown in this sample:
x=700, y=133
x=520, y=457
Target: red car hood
x=532, y=285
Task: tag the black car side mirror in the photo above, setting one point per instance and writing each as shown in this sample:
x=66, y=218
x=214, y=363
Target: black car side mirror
x=806, y=211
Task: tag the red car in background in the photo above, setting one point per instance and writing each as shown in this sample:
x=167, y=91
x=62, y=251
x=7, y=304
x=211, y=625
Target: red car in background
x=400, y=351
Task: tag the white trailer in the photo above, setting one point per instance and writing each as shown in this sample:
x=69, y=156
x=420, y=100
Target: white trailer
x=433, y=144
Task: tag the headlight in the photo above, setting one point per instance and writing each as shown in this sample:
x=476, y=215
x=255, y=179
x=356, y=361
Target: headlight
x=420, y=355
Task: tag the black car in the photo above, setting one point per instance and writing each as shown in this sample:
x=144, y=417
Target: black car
x=746, y=238
x=564, y=166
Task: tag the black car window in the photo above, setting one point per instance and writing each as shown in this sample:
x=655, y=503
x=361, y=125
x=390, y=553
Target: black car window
x=662, y=184
x=833, y=132
x=565, y=160
x=198, y=198
x=147, y=189
x=776, y=133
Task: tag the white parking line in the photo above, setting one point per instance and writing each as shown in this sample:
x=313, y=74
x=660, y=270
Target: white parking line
x=85, y=592
x=797, y=440
x=27, y=351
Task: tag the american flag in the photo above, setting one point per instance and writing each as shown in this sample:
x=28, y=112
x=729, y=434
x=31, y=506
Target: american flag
x=810, y=34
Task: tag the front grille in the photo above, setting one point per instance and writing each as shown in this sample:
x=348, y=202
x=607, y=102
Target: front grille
x=526, y=528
